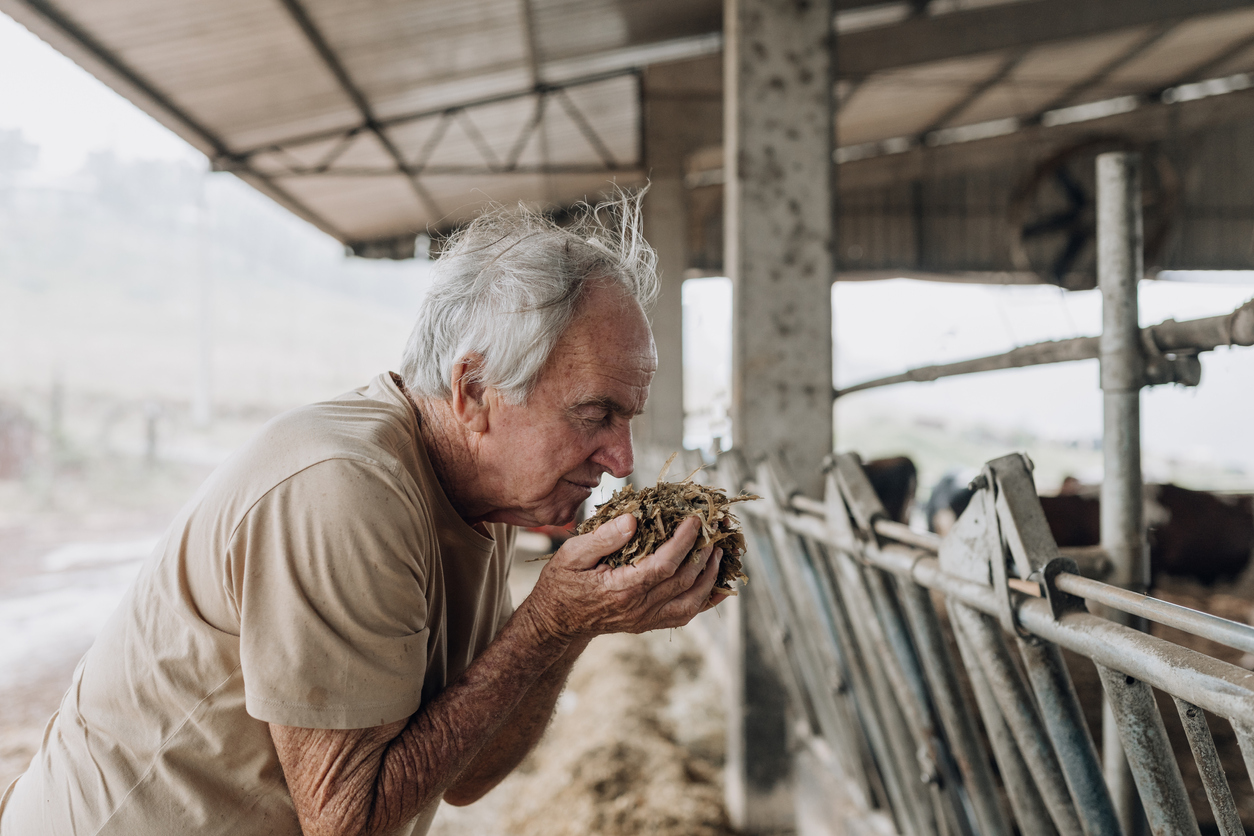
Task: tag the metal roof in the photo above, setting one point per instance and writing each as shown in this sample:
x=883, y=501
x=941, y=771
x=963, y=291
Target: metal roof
x=377, y=121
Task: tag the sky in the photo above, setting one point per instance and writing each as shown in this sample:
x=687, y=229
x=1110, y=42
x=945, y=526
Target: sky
x=68, y=113
x=880, y=327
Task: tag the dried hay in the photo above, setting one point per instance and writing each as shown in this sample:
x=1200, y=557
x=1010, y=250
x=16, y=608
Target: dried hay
x=660, y=509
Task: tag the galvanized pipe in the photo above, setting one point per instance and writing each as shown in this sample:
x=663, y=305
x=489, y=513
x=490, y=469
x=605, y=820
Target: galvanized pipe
x=945, y=778
x=1150, y=758
x=817, y=640
x=908, y=675
x=1189, y=337
x=1230, y=633
x=1064, y=721
x=1216, y=686
x=939, y=666
x=1119, y=269
x=1211, y=770
x=867, y=704
x=1025, y=800
x=901, y=729
x=796, y=605
x=1015, y=703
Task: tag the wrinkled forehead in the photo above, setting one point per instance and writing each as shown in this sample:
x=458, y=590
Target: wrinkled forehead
x=608, y=321
x=607, y=346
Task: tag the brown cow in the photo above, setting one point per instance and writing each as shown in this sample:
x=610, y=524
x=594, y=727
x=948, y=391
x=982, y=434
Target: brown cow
x=1195, y=534
x=1191, y=533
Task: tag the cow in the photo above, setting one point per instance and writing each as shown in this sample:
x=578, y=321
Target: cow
x=895, y=481
x=1191, y=533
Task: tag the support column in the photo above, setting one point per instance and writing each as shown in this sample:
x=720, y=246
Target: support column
x=661, y=428
x=1119, y=269
x=779, y=140
x=683, y=111
x=778, y=221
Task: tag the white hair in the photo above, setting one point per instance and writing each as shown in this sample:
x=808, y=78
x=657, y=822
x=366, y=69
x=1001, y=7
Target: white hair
x=508, y=285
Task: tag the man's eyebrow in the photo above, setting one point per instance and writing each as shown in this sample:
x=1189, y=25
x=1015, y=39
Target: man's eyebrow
x=609, y=405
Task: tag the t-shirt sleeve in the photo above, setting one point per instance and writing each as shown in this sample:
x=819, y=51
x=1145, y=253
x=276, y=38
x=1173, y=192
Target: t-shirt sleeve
x=330, y=572
x=508, y=543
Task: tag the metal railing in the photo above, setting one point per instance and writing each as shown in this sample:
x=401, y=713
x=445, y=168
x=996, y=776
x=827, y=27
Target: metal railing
x=886, y=679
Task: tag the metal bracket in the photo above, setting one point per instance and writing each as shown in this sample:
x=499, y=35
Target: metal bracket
x=1160, y=368
x=1060, y=603
x=1003, y=523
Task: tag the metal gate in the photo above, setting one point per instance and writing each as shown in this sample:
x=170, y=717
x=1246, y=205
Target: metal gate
x=886, y=636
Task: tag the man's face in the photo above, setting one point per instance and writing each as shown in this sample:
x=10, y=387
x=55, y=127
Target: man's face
x=546, y=455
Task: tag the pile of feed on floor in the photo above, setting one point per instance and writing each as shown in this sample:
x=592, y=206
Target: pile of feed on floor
x=660, y=509
x=636, y=748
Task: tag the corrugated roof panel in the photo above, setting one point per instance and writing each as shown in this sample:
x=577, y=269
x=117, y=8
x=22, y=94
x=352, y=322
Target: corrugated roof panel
x=460, y=145
x=499, y=127
x=568, y=28
x=1047, y=72
x=908, y=102
x=460, y=204
x=1175, y=57
x=206, y=54
x=393, y=46
x=284, y=160
x=1242, y=62
x=413, y=137
x=565, y=28
x=362, y=208
x=612, y=110
x=452, y=92
x=363, y=151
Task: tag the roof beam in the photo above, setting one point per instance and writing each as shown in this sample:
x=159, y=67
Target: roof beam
x=449, y=109
x=977, y=91
x=922, y=39
x=1073, y=93
x=485, y=170
x=369, y=122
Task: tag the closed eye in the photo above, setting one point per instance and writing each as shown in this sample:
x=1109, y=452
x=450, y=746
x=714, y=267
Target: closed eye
x=600, y=411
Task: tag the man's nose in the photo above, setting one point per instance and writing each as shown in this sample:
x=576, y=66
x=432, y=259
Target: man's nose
x=617, y=456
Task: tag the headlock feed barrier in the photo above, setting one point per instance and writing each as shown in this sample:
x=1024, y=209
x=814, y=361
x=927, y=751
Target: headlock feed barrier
x=855, y=606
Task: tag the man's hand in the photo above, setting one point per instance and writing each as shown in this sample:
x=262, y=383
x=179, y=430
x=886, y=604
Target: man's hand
x=576, y=596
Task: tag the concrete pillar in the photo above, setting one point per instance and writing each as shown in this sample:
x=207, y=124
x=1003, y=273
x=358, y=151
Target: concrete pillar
x=778, y=217
x=665, y=222
x=683, y=111
x=779, y=140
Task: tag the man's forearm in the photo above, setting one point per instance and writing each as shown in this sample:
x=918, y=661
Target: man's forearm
x=370, y=782
x=445, y=738
x=519, y=735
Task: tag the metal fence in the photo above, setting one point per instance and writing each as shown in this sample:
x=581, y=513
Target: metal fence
x=887, y=639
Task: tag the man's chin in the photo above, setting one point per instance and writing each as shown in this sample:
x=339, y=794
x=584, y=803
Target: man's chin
x=565, y=508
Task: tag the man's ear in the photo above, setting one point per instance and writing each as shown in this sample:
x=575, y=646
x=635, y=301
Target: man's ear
x=469, y=402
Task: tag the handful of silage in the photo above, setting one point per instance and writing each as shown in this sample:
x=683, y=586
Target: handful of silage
x=660, y=509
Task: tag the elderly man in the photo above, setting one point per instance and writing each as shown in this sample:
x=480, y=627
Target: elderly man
x=324, y=640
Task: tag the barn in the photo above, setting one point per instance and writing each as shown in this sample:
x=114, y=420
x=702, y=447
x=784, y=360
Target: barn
x=789, y=145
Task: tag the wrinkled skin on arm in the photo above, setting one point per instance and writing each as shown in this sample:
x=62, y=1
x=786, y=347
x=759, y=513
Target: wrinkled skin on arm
x=458, y=746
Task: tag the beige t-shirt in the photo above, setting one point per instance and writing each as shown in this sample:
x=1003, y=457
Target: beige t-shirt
x=319, y=578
